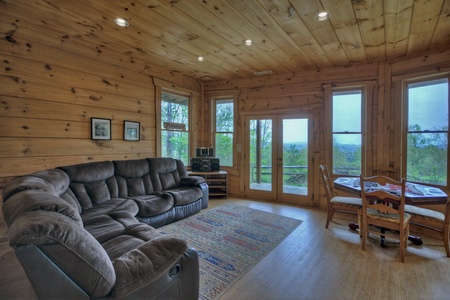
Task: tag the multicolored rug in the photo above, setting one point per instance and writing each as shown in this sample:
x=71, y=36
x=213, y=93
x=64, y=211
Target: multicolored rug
x=230, y=240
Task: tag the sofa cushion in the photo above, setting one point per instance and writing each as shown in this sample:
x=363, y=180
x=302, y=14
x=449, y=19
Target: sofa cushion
x=133, y=178
x=52, y=181
x=37, y=200
x=109, y=219
x=164, y=173
x=153, y=205
x=132, y=237
x=69, y=246
x=92, y=183
x=150, y=261
x=185, y=195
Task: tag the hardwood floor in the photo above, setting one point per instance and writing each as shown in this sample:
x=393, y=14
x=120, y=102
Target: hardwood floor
x=311, y=263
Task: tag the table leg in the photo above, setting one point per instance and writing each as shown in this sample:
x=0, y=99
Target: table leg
x=382, y=244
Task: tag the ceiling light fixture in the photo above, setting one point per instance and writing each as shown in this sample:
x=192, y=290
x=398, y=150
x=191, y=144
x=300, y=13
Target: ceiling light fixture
x=200, y=58
x=322, y=16
x=121, y=22
x=263, y=72
x=248, y=42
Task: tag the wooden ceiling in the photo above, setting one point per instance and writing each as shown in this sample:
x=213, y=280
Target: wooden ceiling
x=286, y=36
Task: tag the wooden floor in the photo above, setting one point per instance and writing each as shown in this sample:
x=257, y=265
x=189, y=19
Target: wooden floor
x=311, y=263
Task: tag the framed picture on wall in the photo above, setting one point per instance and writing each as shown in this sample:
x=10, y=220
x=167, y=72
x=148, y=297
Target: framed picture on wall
x=101, y=129
x=131, y=131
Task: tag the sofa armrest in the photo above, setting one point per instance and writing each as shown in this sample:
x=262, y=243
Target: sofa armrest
x=191, y=180
x=182, y=281
x=200, y=182
x=145, y=264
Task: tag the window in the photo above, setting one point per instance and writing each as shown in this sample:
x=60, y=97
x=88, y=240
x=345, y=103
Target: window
x=224, y=130
x=427, y=131
x=175, y=126
x=347, y=131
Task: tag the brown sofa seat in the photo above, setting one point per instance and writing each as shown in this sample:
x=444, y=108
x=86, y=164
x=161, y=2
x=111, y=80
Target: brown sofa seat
x=77, y=227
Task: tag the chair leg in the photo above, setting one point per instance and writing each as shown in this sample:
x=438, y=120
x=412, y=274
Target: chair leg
x=364, y=236
x=330, y=213
x=360, y=223
x=446, y=239
x=402, y=246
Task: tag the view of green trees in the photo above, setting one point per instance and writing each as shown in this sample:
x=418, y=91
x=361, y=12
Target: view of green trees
x=427, y=156
x=260, y=151
x=295, y=156
x=427, y=136
x=175, y=143
x=346, y=158
x=224, y=131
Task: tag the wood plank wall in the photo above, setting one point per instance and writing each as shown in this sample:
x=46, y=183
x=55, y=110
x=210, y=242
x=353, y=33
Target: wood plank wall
x=52, y=84
x=306, y=92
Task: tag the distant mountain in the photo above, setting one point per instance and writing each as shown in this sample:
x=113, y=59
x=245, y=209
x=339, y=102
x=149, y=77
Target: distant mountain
x=298, y=145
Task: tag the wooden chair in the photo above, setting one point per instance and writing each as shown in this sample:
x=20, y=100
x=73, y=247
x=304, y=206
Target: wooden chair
x=338, y=203
x=383, y=209
x=432, y=220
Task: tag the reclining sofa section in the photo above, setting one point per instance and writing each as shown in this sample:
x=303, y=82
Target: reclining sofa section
x=83, y=231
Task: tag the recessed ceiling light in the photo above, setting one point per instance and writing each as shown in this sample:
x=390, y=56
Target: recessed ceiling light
x=266, y=72
x=322, y=16
x=200, y=58
x=248, y=42
x=121, y=22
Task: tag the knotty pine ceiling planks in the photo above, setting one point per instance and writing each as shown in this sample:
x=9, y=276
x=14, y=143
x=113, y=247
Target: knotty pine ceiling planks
x=170, y=34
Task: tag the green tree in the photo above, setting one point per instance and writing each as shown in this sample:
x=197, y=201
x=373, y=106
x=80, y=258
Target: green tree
x=175, y=143
x=427, y=155
x=224, y=131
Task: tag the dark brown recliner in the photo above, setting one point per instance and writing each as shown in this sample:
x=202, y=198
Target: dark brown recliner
x=96, y=248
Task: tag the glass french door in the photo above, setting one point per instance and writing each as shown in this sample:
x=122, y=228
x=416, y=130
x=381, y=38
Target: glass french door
x=278, y=158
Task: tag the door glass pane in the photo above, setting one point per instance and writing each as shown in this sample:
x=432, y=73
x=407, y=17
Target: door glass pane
x=261, y=155
x=295, y=156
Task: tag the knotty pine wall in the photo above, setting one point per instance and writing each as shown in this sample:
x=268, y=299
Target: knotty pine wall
x=306, y=92
x=51, y=86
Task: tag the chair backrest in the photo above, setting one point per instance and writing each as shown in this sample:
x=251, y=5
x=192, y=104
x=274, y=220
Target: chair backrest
x=390, y=172
x=385, y=191
x=447, y=213
x=327, y=182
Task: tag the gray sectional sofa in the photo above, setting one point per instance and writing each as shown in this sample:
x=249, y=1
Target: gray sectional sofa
x=88, y=231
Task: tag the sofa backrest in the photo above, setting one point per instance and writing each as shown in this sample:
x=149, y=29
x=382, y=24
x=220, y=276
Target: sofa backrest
x=133, y=177
x=165, y=172
x=45, y=190
x=92, y=183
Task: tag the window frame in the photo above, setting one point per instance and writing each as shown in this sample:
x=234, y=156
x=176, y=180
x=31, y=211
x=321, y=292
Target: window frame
x=405, y=119
x=364, y=88
x=159, y=128
x=214, y=101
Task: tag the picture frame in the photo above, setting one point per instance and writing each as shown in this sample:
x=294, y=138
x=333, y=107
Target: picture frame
x=131, y=131
x=100, y=129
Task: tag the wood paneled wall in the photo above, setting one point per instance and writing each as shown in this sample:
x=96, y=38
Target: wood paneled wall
x=52, y=84
x=306, y=92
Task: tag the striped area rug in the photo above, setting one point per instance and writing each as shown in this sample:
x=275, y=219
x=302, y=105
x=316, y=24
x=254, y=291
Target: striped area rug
x=230, y=240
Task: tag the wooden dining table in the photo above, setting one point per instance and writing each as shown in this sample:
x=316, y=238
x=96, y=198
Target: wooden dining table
x=415, y=194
